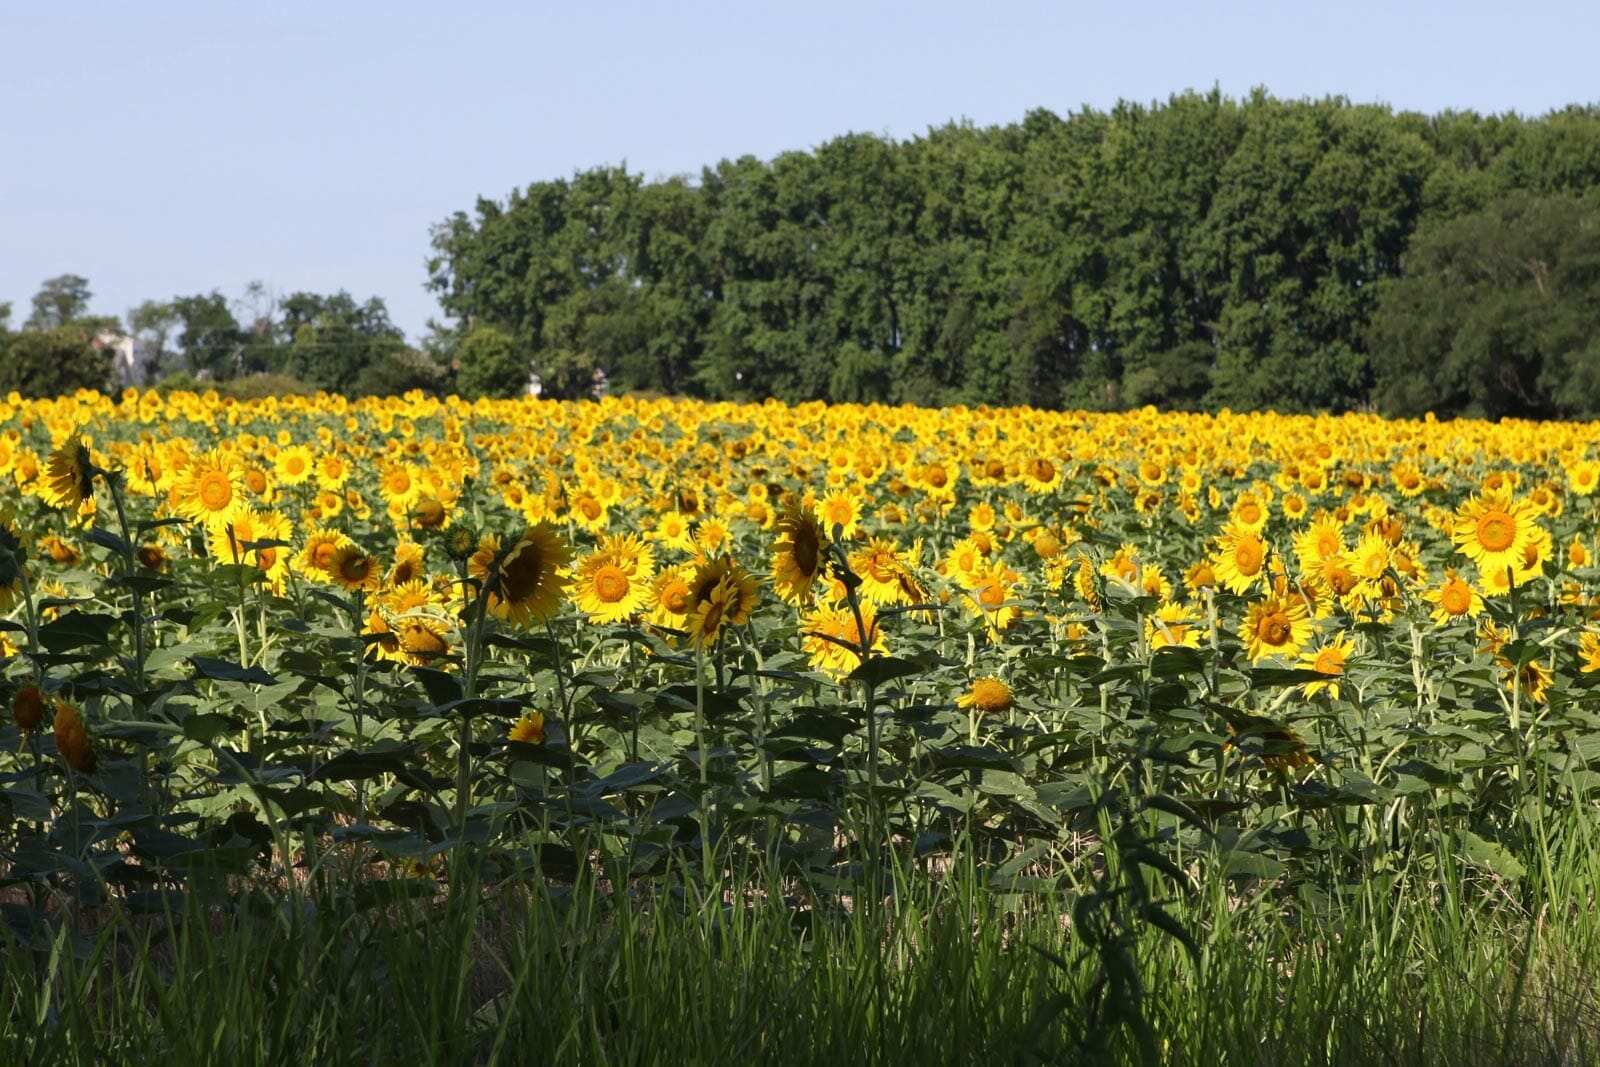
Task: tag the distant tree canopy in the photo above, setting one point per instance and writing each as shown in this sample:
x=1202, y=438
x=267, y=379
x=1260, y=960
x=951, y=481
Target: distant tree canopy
x=55, y=352
x=1206, y=252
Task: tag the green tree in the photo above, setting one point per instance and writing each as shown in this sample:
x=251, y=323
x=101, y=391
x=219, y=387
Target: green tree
x=53, y=361
x=210, y=339
x=154, y=324
x=1498, y=314
x=489, y=363
x=334, y=343
x=59, y=301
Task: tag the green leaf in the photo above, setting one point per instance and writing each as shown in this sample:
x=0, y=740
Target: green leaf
x=77, y=629
x=223, y=671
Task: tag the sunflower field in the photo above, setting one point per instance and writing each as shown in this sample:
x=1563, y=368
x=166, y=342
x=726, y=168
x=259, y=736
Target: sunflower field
x=642, y=729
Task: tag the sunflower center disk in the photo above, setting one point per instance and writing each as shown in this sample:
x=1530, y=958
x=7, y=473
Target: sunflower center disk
x=1496, y=531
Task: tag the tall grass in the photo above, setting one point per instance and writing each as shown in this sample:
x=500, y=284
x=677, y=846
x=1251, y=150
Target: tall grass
x=1428, y=966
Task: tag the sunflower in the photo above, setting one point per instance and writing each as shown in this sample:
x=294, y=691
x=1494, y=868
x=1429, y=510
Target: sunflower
x=1532, y=678
x=294, y=465
x=1200, y=575
x=670, y=598
x=834, y=641
x=528, y=730
x=211, y=489
x=840, y=512
x=1040, y=474
x=409, y=565
x=1172, y=626
x=798, y=554
x=1281, y=749
x=885, y=572
x=72, y=742
x=27, y=708
x=1239, y=558
x=400, y=484
x=1318, y=543
x=1583, y=477
x=1277, y=626
x=422, y=638
x=992, y=597
x=316, y=555
x=245, y=539
x=1329, y=660
x=720, y=594
x=1588, y=652
x=611, y=583
x=69, y=474
x=673, y=530
x=987, y=695
x=964, y=560
x=1494, y=530
x=525, y=581
x=353, y=569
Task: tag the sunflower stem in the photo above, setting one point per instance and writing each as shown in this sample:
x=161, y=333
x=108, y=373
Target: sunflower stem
x=700, y=739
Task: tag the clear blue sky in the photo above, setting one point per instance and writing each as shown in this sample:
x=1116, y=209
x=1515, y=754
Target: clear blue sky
x=166, y=148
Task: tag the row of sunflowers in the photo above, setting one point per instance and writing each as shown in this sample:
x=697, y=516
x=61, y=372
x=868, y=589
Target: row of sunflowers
x=413, y=622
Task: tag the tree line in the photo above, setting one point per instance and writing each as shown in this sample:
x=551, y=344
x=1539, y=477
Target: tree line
x=1204, y=252
x=301, y=342
x=1201, y=253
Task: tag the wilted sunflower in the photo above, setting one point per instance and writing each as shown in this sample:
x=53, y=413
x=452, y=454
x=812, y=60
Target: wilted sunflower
x=27, y=708
x=524, y=582
x=68, y=474
x=798, y=555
